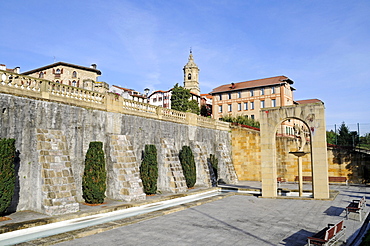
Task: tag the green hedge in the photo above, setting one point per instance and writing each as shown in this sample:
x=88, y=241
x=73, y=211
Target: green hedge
x=7, y=173
x=188, y=166
x=95, y=175
x=149, y=169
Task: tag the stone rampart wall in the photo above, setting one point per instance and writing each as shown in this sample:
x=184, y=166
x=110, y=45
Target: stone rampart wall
x=20, y=117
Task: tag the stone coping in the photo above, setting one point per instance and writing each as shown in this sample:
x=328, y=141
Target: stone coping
x=85, y=210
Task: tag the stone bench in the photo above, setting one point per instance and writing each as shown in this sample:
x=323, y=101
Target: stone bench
x=280, y=180
x=356, y=206
x=331, y=179
x=329, y=235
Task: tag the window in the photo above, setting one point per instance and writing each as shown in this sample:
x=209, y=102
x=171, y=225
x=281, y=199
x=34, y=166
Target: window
x=229, y=107
x=252, y=105
x=245, y=106
x=189, y=76
x=57, y=71
x=273, y=90
x=252, y=93
x=273, y=103
x=220, y=97
x=160, y=99
x=154, y=100
x=239, y=106
x=239, y=94
x=41, y=75
x=229, y=95
x=74, y=83
x=74, y=74
x=262, y=91
x=262, y=104
x=220, y=108
x=252, y=116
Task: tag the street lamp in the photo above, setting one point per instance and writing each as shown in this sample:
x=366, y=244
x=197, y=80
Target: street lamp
x=146, y=91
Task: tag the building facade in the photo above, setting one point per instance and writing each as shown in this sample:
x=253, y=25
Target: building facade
x=72, y=75
x=247, y=98
x=128, y=93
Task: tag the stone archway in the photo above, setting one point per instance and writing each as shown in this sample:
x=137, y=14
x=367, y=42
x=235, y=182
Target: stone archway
x=312, y=115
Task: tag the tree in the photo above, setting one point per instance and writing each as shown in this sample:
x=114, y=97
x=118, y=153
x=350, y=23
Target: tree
x=188, y=166
x=180, y=98
x=95, y=175
x=205, y=110
x=345, y=137
x=149, y=169
x=243, y=120
x=7, y=173
x=193, y=107
x=331, y=137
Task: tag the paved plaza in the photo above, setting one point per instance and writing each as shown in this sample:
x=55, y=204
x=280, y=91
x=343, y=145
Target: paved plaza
x=239, y=220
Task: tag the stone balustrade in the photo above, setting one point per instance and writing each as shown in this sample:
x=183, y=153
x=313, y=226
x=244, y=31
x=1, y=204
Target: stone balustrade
x=26, y=86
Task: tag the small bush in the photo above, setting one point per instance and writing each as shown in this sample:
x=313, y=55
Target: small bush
x=149, y=169
x=7, y=173
x=188, y=166
x=95, y=175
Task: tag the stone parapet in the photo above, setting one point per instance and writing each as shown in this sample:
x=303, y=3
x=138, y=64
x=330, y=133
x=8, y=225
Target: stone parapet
x=27, y=86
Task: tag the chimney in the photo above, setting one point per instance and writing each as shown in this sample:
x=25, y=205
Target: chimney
x=93, y=66
x=17, y=70
x=2, y=67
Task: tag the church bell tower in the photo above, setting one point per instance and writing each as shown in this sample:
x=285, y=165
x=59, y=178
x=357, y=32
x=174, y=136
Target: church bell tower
x=191, y=72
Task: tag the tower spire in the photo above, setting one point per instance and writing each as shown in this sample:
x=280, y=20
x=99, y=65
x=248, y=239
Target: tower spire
x=191, y=72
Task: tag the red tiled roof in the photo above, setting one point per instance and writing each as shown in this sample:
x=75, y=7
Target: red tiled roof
x=121, y=88
x=63, y=64
x=252, y=84
x=309, y=101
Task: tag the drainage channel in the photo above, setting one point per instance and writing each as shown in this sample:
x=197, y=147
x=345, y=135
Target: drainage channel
x=36, y=232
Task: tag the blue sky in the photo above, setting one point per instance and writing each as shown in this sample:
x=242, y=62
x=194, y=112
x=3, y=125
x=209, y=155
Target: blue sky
x=323, y=46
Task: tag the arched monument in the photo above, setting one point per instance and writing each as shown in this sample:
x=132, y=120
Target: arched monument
x=313, y=116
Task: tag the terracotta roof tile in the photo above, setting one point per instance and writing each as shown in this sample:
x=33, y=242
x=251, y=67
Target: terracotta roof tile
x=309, y=101
x=252, y=84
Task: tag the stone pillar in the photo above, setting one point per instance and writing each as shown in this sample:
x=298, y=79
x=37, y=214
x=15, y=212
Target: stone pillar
x=170, y=175
x=201, y=162
x=124, y=181
x=226, y=167
x=58, y=183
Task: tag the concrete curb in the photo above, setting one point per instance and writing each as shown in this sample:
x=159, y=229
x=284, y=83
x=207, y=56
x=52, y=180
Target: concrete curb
x=8, y=227
x=68, y=236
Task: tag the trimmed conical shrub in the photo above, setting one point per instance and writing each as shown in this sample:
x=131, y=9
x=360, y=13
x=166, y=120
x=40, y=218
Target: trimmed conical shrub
x=95, y=175
x=149, y=169
x=7, y=173
x=214, y=164
x=188, y=166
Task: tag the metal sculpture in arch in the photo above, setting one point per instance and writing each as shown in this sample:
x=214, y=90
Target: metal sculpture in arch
x=313, y=116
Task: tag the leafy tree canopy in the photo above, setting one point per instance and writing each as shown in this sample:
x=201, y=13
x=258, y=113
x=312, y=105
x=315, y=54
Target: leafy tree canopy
x=180, y=100
x=243, y=120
